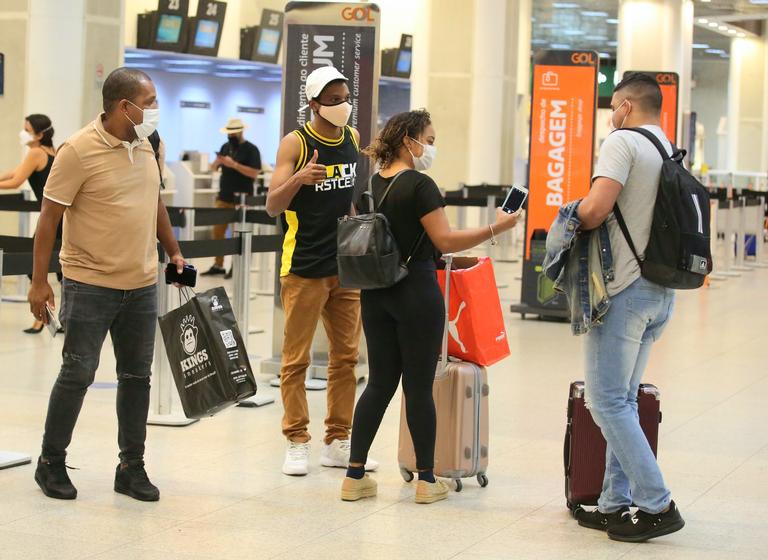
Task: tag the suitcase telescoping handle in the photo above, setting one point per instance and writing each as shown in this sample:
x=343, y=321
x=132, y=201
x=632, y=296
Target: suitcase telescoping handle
x=443, y=365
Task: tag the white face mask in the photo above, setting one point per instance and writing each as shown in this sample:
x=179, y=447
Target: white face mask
x=425, y=161
x=151, y=118
x=337, y=115
x=622, y=120
x=25, y=138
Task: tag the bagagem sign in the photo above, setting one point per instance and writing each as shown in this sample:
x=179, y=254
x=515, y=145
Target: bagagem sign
x=563, y=105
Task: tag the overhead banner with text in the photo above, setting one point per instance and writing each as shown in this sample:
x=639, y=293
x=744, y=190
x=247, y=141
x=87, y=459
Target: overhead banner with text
x=669, y=82
x=343, y=35
x=563, y=106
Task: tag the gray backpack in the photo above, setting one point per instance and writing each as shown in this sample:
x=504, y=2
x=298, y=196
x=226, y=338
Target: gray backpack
x=367, y=253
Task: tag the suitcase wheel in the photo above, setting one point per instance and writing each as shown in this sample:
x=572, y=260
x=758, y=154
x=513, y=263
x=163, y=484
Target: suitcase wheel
x=406, y=474
x=459, y=485
x=483, y=480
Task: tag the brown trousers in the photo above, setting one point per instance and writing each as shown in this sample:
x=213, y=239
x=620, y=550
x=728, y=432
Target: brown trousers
x=306, y=301
x=220, y=230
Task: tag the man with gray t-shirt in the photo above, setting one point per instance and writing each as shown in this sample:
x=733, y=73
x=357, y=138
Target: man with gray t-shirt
x=617, y=351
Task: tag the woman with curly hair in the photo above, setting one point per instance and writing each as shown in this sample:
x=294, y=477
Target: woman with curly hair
x=404, y=324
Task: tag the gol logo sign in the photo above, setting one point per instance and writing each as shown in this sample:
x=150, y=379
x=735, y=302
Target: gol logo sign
x=583, y=58
x=668, y=79
x=357, y=14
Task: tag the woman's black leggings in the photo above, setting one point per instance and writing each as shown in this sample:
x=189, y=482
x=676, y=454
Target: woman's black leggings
x=404, y=329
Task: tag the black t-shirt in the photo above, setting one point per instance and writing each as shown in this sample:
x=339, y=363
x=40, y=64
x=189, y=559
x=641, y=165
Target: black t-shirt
x=412, y=197
x=233, y=181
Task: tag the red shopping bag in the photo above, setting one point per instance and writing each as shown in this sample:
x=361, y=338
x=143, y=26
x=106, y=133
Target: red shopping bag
x=476, y=331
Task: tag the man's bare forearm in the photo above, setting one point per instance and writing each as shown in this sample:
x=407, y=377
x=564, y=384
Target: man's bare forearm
x=45, y=237
x=165, y=231
x=279, y=198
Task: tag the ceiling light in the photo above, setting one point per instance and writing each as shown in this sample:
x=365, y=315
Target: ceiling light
x=605, y=55
x=187, y=71
x=236, y=67
x=560, y=46
x=612, y=21
x=713, y=24
x=741, y=35
x=612, y=43
x=188, y=62
x=722, y=27
x=139, y=65
x=732, y=32
x=564, y=5
x=549, y=25
x=594, y=14
x=715, y=51
x=137, y=55
x=703, y=20
x=231, y=75
x=573, y=32
x=700, y=46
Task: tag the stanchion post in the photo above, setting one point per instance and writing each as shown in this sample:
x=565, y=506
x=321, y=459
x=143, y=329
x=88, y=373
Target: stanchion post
x=741, y=237
x=188, y=232
x=161, y=411
x=242, y=275
x=729, y=233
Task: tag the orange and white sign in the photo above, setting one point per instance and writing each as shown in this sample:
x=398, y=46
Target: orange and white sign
x=563, y=105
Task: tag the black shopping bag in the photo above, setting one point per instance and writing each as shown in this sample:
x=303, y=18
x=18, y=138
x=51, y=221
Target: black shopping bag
x=208, y=358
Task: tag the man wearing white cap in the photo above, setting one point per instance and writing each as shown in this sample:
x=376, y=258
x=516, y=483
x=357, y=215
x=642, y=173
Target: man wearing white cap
x=312, y=187
x=240, y=163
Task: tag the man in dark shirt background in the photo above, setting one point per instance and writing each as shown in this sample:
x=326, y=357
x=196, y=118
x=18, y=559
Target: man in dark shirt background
x=240, y=163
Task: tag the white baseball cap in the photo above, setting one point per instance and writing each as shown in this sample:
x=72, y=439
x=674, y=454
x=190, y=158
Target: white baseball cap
x=320, y=78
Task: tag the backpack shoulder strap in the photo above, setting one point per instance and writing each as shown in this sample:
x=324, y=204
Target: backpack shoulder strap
x=655, y=141
x=154, y=140
x=389, y=188
x=625, y=231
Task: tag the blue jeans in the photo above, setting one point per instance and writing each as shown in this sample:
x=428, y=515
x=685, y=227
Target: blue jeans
x=616, y=354
x=130, y=317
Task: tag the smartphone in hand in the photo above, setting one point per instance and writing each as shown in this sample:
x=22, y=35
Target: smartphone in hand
x=515, y=199
x=53, y=323
x=187, y=278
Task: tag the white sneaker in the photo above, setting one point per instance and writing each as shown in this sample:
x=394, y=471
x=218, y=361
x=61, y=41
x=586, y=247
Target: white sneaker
x=337, y=455
x=296, y=459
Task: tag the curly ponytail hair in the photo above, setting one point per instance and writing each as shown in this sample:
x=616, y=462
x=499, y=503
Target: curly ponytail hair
x=41, y=124
x=384, y=149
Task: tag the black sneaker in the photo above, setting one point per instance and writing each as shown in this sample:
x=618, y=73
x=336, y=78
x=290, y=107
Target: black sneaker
x=214, y=271
x=228, y=275
x=134, y=482
x=53, y=480
x=644, y=526
x=601, y=521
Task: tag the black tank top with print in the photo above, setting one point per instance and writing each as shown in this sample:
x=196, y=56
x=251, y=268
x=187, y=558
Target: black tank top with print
x=309, y=248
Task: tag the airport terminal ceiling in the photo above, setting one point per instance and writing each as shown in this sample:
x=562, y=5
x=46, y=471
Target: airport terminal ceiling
x=593, y=24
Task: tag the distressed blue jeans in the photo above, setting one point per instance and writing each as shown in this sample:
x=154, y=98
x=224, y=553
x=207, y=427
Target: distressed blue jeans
x=616, y=354
x=130, y=317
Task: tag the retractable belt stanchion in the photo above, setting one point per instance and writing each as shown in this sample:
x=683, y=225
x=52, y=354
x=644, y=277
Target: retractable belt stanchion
x=714, y=210
x=729, y=235
x=741, y=235
x=22, y=286
x=162, y=411
x=758, y=207
x=242, y=275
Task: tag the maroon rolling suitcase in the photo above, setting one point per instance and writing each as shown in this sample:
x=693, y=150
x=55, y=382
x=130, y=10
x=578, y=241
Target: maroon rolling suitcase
x=584, y=449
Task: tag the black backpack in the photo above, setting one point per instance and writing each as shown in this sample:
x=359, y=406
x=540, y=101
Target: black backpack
x=678, y=254
x=367, y=255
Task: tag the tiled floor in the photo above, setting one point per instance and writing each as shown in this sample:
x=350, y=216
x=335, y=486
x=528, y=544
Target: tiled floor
x=223, y=495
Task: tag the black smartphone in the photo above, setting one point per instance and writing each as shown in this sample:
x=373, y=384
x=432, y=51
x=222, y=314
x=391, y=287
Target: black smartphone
x=187, y=278
x=515, y=199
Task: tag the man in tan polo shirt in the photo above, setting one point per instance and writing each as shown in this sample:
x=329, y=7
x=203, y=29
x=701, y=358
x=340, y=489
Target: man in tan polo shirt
x=105, y=182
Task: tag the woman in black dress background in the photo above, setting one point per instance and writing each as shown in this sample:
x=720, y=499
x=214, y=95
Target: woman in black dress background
x=37, y=135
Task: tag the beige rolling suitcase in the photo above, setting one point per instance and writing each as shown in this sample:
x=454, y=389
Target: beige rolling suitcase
x=461, y=400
